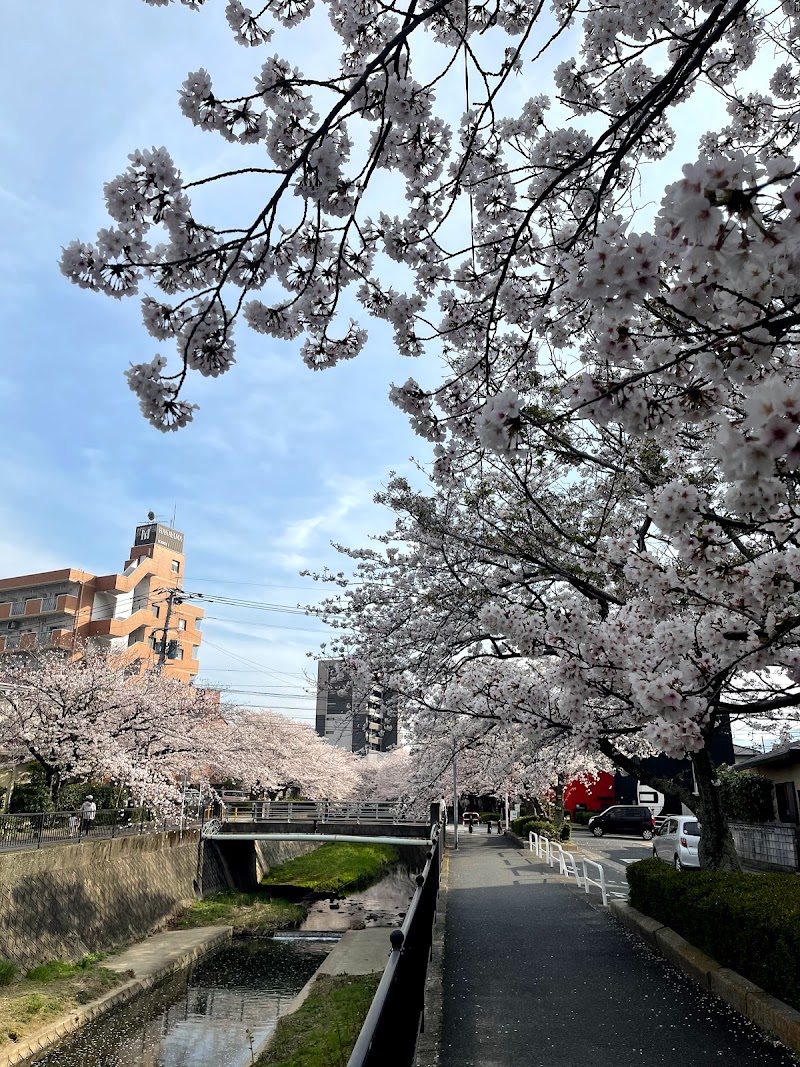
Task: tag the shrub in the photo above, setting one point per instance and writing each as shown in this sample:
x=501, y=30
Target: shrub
x=51, y=971
x=31, y=797
x=8, y=971
x=489, y=816
x=70, y=797
x=749, y=922
x=582, y=817
x=746, y=796
x=566, y=831
x=527, y=824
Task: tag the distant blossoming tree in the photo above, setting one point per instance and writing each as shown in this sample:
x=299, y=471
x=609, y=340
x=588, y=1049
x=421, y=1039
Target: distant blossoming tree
x=92, y=718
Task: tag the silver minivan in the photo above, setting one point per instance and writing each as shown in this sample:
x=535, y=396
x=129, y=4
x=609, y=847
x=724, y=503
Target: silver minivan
x=677, y=840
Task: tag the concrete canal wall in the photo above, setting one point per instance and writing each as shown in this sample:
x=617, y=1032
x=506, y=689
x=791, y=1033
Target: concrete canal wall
x=63, y=901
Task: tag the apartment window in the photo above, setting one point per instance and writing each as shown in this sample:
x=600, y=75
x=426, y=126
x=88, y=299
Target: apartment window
x=195, y=651
x=157, y=611
x=181, y=624
x=176, y=566
x=178, y=654
x=17, y=607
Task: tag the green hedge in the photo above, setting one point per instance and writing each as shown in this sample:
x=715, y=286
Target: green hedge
x=527, y=824
x=748, y=922
x=582, y=817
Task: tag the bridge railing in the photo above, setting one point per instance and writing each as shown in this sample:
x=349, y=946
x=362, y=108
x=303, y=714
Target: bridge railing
x=396, y=1016
x=320, y=811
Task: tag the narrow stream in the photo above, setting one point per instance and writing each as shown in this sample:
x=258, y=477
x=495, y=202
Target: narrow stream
x=382, y=904
x=200, y=1018
x=204, y=1017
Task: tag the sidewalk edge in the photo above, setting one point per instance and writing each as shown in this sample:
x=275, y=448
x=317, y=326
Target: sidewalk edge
x=428, y=1045
x=760, y=1008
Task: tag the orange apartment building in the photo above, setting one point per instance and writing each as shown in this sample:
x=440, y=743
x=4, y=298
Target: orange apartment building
x=123, y=612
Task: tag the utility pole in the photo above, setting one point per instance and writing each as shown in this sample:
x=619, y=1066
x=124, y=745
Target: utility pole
x=455, y=795
x=172, y=598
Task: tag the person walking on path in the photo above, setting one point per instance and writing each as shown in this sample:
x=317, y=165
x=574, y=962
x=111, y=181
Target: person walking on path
x=88, y=813
x=535, y=976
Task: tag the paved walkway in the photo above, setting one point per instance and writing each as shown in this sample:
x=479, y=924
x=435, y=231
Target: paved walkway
x=170, y=949
x=534, y=976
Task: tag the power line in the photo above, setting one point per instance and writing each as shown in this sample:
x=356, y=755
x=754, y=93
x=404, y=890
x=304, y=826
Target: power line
x=258, y=667
x=267, y=625
x=251, y=585
x=252, y=605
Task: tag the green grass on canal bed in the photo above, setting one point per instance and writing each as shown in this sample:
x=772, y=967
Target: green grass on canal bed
x=253, y=914
x=323, y=1030
x=340, y=867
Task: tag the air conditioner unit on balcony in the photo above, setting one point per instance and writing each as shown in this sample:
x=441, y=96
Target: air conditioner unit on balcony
x=13, y=625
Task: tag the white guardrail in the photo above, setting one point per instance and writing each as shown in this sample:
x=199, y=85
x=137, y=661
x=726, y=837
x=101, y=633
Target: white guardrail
x=552, y=852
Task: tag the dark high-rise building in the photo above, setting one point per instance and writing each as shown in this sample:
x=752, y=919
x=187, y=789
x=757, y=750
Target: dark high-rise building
x=360, y=724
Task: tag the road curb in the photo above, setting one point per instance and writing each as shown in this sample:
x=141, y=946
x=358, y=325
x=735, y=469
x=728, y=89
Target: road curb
x=62, y=1027
x=759, y=1007
x=429, y=1043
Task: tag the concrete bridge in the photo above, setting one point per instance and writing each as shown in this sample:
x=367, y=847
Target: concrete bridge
x=379, y=822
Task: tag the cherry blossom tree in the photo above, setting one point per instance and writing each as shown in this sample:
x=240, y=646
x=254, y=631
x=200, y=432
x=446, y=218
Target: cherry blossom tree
x=515, y=231
x=619, y=409
x=267, y=747
x=556, y=605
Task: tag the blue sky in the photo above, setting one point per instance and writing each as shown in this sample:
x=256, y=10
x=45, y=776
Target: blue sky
x=280, y=460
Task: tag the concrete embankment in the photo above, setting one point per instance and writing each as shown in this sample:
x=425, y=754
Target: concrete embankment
x=64, y=901
x=147, y=963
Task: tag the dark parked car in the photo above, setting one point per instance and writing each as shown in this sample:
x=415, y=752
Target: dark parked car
x=624, y=819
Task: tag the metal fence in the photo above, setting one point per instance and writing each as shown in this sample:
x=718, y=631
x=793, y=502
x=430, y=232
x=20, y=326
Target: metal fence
x=321, y=811
x=396, y=1017
x=34, y=829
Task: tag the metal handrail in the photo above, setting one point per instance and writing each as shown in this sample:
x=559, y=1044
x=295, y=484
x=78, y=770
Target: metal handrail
x=33, y=829
x=321, y=811
x=359, y=1057
x=601, y=884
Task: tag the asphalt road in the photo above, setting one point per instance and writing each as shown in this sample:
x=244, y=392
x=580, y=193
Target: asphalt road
x=534, y=976
x=615, y=852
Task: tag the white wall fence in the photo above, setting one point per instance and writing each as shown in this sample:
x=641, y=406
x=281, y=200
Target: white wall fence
x=591, y=874
x=769, y=846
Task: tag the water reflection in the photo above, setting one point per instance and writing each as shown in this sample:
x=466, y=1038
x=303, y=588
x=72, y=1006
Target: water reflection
x=382, y=904
x=199, y=1019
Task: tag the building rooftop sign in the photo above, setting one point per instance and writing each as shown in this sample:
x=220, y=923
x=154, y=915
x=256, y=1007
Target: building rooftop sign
x=153, y=533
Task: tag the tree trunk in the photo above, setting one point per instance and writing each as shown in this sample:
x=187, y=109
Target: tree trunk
x=716, y=850
x=558, y=802
x=52, y=780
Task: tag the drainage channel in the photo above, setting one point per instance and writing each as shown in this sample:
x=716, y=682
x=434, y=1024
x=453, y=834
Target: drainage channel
x=204, y=1017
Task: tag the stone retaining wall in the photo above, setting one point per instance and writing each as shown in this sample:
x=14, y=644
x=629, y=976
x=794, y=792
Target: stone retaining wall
x=65, y=900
